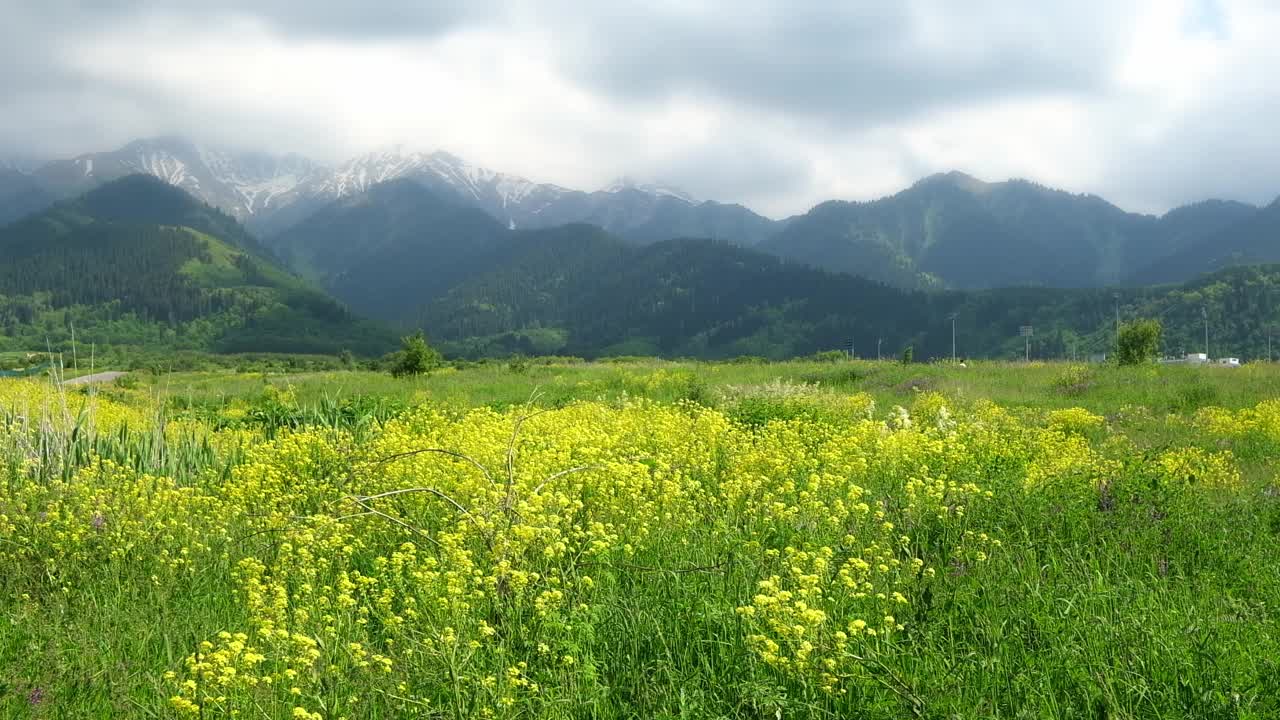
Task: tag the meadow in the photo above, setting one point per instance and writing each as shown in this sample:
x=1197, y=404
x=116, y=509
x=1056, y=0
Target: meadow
x=644, y=539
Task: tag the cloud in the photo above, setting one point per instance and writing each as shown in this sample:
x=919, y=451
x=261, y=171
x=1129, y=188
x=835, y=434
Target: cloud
x=773, y=104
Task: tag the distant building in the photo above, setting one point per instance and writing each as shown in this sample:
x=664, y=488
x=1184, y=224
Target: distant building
x=1202, y=359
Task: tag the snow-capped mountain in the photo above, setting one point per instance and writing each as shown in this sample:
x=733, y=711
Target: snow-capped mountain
x=509, y=198
x=653, y=188
x=242, y=184
x=270, y=193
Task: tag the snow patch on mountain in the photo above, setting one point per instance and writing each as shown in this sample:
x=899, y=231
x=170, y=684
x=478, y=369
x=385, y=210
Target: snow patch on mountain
x=166, y=167
x=651, y=188
x=270, y=192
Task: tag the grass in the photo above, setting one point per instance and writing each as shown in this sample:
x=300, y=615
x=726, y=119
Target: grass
x=681, y=519
x=1104, y=389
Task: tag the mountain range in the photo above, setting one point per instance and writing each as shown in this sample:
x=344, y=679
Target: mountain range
x=139, y=263
x=946, y=231
x=257, y=251
x=955, y=231
x=270, y=193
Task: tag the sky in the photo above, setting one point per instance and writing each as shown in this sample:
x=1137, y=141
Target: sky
x=775, y=104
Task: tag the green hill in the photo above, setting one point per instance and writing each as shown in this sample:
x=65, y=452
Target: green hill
x=1250, y=240
x=404, y=255
x=579, y=291
x=385, y=251
x=955, y=231
x=138, y=262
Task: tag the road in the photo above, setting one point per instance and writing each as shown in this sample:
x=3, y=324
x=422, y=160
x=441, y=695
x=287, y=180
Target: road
x=102, y=377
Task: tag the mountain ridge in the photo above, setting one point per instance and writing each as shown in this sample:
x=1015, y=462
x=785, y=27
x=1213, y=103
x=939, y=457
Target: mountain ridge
x=270, y=193
x=953, y=230
x=139, y=262
x=947, y=230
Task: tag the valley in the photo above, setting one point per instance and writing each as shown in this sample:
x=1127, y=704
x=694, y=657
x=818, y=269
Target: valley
x=494, y=360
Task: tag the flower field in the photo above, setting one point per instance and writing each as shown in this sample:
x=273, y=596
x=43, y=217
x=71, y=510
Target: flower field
x=776, y=549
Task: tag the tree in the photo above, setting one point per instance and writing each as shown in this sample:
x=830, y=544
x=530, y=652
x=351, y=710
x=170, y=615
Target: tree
x=415, y=357
x=908, y=354
x=1138, y=342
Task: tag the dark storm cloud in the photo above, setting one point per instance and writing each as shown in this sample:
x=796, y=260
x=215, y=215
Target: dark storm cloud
x=772, y=103
x=348, y=19
x=850, y=64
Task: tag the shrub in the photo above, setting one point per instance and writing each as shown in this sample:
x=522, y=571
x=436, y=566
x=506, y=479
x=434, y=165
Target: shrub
x=1138, y=342
x=830, y=356
x=1073, y=380
x=415, y=357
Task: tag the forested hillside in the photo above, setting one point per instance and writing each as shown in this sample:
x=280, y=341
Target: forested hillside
x=385, y=251
x=575, y=293
x=138, y=262
x=958, y=232
x=408, y=256
x=1252, y=240
x=341, y=227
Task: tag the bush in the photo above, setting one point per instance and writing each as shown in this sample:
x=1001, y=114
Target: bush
x=908, y=355
x=518, y=364
x=1138, y=342
x=1074, y=380
x=415, y=357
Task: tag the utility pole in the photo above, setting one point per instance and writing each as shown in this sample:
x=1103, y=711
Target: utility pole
x=953, y=337
x=878, y=341
x=1204, y=312
x=1025, y=331
x=1117, y=298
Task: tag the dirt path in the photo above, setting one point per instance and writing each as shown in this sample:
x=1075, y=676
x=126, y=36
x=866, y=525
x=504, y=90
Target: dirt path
x=102, y=377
